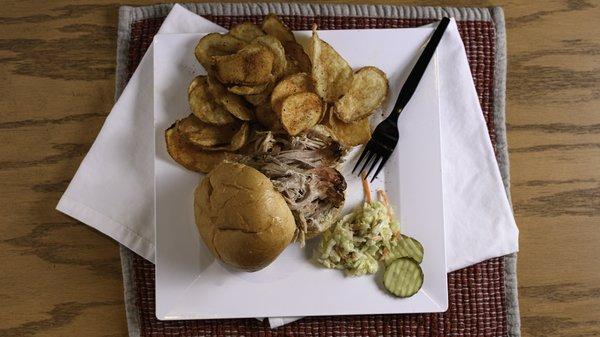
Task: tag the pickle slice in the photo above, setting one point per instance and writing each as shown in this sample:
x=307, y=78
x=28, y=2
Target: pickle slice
x=406, y=247
x=403, y=277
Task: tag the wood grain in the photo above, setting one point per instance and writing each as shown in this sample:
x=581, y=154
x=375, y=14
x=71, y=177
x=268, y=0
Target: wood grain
x=57, y=59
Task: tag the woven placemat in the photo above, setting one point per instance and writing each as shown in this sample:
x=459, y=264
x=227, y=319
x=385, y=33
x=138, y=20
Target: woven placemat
x=482, y=297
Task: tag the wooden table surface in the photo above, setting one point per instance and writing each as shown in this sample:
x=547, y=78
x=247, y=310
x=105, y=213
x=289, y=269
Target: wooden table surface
x=57, y=65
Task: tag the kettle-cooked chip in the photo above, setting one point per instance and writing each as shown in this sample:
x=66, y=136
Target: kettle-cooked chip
x=204, y=106
x=279, y=60
x=206, y=135
x=192, y=157
x=267, y=117
x=300, y=112
x=216, y=44
x=290, y=85
x=296, y=56
x=368, y=90
x=248, y=89
x=195, y=83
x=331, y=73
x=232, y=102
x=257, y=99
x=273, y=26
x=252, y=65
x=240, y=138
x=246, y=31
x=348, y=134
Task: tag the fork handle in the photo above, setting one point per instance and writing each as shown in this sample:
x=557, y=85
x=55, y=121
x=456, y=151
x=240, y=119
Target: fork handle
x=409, y=87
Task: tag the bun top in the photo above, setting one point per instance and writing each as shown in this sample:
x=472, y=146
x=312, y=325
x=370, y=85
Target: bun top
x=241, y=218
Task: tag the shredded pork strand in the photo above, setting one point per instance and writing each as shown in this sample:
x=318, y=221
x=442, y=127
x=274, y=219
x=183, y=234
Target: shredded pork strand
x=302, y=170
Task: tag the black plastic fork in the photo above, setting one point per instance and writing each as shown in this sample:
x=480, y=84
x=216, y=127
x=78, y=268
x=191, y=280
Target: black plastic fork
x=385, y=137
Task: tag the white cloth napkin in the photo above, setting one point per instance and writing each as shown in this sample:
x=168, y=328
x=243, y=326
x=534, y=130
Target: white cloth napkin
x=113, y=188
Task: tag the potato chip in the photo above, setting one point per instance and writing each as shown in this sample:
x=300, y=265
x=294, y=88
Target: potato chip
x=257, y=99
x=206, y=135
x=246, y=31
x=195, y=82
x=290, y=85
x=192, y=157
x=267, y=117
x=252, y=65
x=248, y=89
x=204, y=106
x=368, y=90
x=279, y=61
x=233, y=103
x=275, y=27
x=296, y=56
x=331, y=73
x=348, y=134
x=300, y=112
x=240, y=138
x=291, y=68
x=215, y=44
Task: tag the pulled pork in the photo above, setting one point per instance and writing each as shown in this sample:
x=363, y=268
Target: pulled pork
x=302, y=170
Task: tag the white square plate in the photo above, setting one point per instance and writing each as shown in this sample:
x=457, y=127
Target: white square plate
x=190, y=284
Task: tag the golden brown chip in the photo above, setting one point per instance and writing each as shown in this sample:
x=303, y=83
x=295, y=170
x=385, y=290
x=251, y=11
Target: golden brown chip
x=348, y=134
x=331, y=73
x=248, y=89
x=257, y=99
x=300, y=112
x=192, y=157
x=204, y=106
x=215, y=44
x=290, y=85
x=291, y=68
x=246, y=31
x=237, y=141
x=252, y=65
x=233, y=103
x=368, y=90
x=275, y=27
x=297, y=56
x=206, y=135
x=279, y=61
x=240, y=138
x=195, y=82
x=267, y=117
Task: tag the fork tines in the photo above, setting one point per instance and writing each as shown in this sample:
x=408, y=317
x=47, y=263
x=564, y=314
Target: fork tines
x=373, y=154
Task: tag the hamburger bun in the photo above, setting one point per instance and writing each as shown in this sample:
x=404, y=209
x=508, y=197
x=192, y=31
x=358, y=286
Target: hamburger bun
x=241, y=218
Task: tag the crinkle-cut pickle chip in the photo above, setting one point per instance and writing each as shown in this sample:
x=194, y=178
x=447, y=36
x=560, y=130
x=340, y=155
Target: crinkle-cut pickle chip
x=290, y=85
x=267, y=117
x=403, y=277
x=279, y=60
x=272, y=25
x=348, y=134
x=233, y=103
x=368, y=90
x=331, y=73
x=206, y=135
x=204, y=106
x=300, y=112
x=248, y=89
x=252, y=65
x=405, y=247
x=246, y=31
x=296, y=56
x=192, y=157
x=216, y=44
